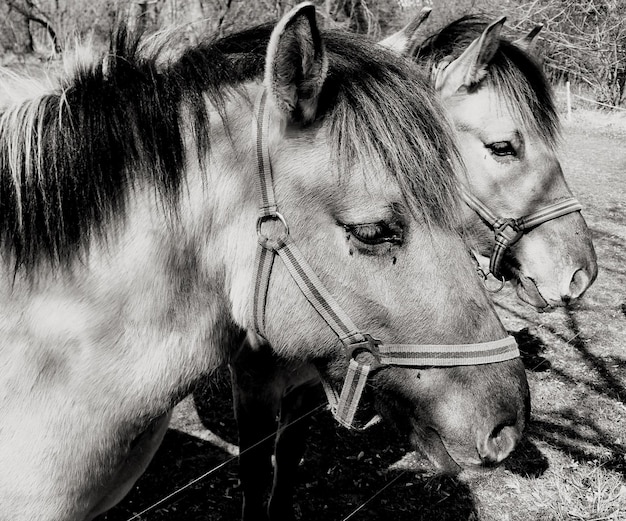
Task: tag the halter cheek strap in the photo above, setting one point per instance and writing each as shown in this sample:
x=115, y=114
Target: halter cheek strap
x=364, y=353
x=509, y=230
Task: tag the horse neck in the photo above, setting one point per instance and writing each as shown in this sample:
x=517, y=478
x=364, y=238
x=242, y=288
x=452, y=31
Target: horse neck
x=203, y=255
x=147, y=310
x=131, y=320
x=222, y=204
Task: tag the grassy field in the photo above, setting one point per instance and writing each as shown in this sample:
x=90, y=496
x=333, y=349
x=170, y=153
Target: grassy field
x=572, y=465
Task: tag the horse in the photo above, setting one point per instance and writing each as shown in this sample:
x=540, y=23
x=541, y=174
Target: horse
x=500, y=103
x=507, y=128
x=143, y=199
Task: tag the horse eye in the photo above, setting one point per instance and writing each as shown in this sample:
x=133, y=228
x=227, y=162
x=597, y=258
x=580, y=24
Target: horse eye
x=375, y=233
x=502, y=148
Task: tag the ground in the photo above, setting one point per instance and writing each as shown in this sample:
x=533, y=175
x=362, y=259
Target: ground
x=572, y=465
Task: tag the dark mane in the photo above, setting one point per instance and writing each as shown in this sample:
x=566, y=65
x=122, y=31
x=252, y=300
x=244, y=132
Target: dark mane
x=70, y=159
x=513, y=72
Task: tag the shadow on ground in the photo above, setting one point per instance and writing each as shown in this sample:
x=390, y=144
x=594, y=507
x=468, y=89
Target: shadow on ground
x=531, y=346
x=341, y=472
x=180, y=459
x=573, y=430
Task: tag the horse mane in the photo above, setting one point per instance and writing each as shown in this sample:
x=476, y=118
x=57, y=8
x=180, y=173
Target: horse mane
x=513, y=72
x=70, y=158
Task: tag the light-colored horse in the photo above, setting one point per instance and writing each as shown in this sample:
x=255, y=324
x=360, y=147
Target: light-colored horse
x=128, y=214
x=507, y=127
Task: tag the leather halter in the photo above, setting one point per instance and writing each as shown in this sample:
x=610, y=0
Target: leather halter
x=509, y=230
x=364, y=353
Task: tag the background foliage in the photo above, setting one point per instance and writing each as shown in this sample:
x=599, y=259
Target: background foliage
x=583, y=41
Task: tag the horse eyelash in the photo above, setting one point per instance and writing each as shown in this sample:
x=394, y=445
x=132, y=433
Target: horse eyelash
x=394, y=238
x=493, y=148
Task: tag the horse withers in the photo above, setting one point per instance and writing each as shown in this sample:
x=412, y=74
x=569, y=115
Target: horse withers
x=128, y=230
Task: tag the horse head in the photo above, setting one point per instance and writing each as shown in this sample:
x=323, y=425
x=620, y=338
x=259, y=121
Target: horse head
x=364, y=184
x=507, y=130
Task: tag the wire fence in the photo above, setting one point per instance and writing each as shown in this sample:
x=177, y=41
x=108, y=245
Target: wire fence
x=173, y=496
x=570, y=98
x=233, y=459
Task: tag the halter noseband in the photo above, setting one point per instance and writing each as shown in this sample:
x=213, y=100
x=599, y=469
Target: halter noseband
x=509, y=230
x=364, y=353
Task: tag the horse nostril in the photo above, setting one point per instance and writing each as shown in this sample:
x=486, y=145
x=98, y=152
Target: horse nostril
x=498, y=444
x=579, y=282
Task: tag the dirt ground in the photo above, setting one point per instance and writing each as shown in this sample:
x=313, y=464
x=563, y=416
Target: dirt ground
x=572, y=465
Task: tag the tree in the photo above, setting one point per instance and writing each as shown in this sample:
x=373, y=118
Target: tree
x=584, y=42
x=26, y=12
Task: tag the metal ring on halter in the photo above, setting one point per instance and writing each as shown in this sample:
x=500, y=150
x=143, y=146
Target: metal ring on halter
x=264, y=240
x=501, y=280
x=485, y=277
x=369, y=345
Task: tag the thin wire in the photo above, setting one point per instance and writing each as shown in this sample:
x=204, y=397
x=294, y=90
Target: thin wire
x=169, y=496
x=371, y=498
x=218, y=467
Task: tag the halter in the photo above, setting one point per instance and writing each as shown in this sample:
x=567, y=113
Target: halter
x=365, y=354
x=509, y=230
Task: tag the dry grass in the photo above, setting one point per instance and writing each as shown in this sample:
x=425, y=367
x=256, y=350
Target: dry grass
x=579, y=411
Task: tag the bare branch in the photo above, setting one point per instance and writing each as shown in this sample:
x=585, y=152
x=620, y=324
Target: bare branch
x=32, y=13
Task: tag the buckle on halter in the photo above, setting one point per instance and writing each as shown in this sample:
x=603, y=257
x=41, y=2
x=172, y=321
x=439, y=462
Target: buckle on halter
x=264, y=240
x=508, y=229
x=369, y=345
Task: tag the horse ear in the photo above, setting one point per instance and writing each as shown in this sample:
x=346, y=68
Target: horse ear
x=529, y=42
x=296, y=64
x=403, y=41
x=469, y=68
